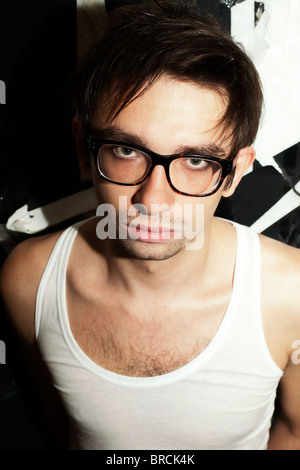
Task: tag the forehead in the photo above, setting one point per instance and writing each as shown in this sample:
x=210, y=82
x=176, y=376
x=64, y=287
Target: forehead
x=169, y=114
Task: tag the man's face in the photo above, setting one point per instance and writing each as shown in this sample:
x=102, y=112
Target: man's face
x=167, y=119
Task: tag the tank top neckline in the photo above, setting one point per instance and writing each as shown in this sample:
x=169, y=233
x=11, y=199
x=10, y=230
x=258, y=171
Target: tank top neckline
x=153, y=381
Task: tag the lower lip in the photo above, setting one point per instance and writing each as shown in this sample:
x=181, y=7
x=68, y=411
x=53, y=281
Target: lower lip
x=150, y=236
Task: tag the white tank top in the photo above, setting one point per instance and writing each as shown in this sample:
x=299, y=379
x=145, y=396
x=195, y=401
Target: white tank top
x=223, y=399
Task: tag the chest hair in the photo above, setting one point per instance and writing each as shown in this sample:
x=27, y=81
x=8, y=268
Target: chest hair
x=141, y=348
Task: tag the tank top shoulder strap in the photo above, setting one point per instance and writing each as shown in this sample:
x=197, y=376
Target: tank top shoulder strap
x=248, y=247
x=58, y=256
x=248, y=266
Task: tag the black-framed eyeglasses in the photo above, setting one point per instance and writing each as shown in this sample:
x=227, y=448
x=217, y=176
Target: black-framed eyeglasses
x=190, y=175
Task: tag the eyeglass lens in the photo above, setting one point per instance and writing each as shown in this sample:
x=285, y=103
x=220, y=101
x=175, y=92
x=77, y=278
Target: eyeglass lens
x=192, y=174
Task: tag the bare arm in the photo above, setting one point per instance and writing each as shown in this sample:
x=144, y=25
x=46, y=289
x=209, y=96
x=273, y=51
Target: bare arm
x=19, y=279
x=285, y=432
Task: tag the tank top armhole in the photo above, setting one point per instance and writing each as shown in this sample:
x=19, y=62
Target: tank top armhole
x=249, y=248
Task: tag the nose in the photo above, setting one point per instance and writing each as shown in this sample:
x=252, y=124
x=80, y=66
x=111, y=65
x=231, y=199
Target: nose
x=155, y=190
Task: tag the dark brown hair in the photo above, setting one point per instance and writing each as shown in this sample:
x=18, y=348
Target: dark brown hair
x=142, y=42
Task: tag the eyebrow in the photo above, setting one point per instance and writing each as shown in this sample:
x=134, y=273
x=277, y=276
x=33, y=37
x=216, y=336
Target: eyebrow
x=117, y=134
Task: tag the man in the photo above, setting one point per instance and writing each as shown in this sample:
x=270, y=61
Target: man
x=162, y=326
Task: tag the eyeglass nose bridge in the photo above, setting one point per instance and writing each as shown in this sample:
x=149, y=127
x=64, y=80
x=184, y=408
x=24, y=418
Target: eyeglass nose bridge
x=160, y=160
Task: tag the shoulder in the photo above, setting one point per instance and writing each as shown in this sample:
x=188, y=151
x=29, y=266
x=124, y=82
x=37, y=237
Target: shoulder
x=280, y=264
x=20, y=276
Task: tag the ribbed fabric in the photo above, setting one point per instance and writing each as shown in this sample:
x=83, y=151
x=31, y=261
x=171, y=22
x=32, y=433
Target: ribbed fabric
x=223, y=399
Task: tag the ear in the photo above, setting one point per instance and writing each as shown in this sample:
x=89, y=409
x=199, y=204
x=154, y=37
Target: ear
x=81, y=146
x=243, y=161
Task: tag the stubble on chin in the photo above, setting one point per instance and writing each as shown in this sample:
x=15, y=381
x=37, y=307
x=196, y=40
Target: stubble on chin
x=149, y=251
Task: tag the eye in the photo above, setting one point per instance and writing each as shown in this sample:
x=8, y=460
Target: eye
x=125, y=152
x=196, y=163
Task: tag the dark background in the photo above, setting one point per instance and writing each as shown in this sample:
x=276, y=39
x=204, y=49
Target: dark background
x=38, y=52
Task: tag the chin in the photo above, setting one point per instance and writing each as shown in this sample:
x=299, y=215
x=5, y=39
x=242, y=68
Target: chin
x=142, y=250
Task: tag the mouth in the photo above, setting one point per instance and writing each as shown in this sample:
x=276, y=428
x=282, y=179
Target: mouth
x=151, y=234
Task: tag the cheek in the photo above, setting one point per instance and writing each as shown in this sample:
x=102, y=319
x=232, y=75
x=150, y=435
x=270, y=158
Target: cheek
x=114, y=194
x=204, y=209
